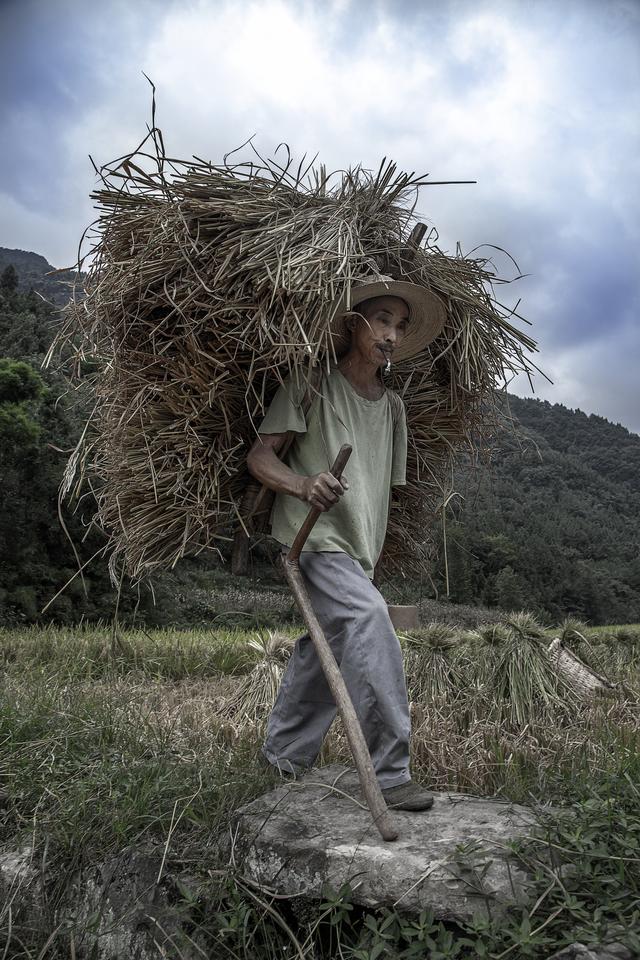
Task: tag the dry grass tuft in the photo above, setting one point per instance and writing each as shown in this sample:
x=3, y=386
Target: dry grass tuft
x=257, y=691
x=572, y=631
x=435, y=635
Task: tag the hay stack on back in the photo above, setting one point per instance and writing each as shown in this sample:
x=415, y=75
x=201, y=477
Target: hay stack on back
x=207, y=286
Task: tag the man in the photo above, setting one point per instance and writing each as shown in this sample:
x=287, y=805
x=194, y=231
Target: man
x=394, y=320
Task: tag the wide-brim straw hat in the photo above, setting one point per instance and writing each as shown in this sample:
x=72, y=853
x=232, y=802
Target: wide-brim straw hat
x=427, y=314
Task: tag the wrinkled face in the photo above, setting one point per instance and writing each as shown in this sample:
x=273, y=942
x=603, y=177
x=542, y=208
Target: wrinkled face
x=378, y=328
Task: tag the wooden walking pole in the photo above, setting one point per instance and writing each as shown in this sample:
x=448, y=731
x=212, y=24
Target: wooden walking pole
x=338, y=687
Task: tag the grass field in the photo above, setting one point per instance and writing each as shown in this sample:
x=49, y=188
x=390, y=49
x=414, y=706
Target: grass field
x=153, y=742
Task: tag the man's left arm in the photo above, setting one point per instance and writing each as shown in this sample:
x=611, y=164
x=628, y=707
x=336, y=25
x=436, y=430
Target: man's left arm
x=399, y=449
x=398, y=471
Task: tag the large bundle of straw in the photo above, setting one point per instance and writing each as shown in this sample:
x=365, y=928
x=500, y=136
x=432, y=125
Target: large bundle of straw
x=207, y=285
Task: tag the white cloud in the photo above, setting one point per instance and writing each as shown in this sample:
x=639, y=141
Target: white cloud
x=293, y=72
x=595, y=377
x=537, y=102
x=22, y=228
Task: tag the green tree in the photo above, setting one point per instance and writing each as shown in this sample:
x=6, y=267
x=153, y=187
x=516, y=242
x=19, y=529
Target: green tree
x=39, y=426
x=459, y=565
x=19, y=381
x=9, y=280
x=509, y=591
x=21, y=390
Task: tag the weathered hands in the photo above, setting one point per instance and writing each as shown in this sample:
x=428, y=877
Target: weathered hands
x=323, y=491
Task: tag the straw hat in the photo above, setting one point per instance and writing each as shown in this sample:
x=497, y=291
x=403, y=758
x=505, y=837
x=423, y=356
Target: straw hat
x=427, y=313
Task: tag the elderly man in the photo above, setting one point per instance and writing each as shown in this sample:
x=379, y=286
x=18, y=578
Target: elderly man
x=394, y=320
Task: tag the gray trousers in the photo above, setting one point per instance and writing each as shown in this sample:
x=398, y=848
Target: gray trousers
x=356, y=623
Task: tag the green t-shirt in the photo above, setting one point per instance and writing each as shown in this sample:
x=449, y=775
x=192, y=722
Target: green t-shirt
x=357, y=524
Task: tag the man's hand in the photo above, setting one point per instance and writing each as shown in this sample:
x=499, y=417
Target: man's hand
x=323, y=491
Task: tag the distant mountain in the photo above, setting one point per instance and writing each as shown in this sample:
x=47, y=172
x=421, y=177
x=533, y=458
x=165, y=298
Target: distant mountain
x=32, y=269
x=554, y=522
x=588, y=436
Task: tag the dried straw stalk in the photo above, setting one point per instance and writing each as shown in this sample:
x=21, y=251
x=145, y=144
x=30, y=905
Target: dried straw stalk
x=206, y=286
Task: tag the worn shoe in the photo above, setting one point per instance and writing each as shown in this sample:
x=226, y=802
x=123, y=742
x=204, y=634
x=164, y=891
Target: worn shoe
x=408, y=796
x=267, y=767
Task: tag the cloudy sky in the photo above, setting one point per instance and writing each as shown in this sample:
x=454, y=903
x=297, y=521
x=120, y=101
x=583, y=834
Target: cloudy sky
x=538, y=101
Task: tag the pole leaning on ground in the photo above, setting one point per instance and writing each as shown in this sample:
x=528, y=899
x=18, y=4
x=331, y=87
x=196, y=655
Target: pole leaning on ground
x=353, y=730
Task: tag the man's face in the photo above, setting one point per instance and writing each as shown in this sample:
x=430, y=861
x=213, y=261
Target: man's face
x=380, y=329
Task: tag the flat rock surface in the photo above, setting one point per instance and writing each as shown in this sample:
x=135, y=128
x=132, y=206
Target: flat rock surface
x=317, y=831
x=578, y=951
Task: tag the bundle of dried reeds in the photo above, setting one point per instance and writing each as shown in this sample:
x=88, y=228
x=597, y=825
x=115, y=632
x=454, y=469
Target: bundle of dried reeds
x=205, y=287
x=581, y=677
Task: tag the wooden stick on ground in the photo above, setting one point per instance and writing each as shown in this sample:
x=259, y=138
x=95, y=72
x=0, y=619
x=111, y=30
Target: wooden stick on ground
x=353, y=730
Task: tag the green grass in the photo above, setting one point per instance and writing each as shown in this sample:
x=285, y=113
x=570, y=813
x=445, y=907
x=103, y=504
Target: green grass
x=148, y=744
x=87, y=652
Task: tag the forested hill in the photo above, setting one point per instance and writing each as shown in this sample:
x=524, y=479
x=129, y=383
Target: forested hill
x=32, y=270
x=553, y=524
x=608, y=448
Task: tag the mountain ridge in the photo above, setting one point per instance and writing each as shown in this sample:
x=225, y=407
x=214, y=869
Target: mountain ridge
x=32, y=269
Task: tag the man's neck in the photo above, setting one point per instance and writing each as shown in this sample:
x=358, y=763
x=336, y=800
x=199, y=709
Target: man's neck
x=365, y=378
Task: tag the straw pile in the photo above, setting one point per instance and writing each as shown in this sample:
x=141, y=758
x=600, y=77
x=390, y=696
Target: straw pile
x=206, y=286
x=581, y=677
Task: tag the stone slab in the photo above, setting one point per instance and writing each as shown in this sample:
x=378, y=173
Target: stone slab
x=317, y=831
x=578, y=951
